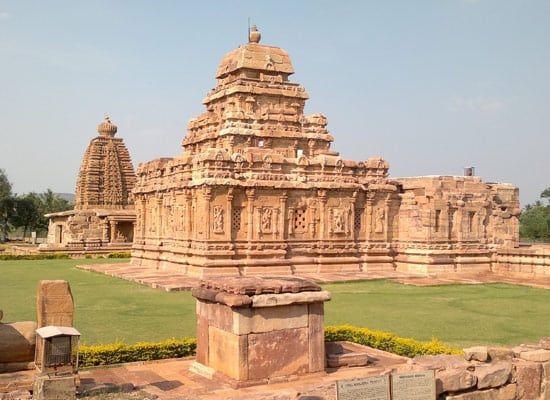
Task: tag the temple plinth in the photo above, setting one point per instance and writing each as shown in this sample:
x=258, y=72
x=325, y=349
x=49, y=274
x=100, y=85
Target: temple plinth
x=103, y=217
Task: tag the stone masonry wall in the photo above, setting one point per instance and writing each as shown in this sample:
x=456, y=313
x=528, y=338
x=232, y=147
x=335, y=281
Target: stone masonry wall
x=531, y=261
x=492, y=373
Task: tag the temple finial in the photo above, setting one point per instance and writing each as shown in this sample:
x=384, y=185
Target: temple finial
x=254, y=35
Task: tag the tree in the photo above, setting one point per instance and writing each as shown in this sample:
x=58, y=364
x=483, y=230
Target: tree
x=6, y=205
x=535, y=220
x=27, y=213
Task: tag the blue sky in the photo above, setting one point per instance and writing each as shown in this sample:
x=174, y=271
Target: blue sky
x=431, y=86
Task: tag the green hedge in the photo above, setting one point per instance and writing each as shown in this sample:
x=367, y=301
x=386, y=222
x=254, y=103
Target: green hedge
x=121, y=353
x=387, y=341
x=42, y=256
x=174, y=348
x=120, y=254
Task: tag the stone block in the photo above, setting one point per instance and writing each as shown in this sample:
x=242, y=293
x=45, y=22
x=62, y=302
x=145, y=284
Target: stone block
x=454, y=380
x=493, y=375
x=528, y=379
x=54, y=388
x=500, y=353
x=268, y=319
x=441, y=362
x=540, y=355
x=507, y=392
x=546, y=371
x=227, y=353
x=544, y=342
x=278, y=353
x=202, y=340
x=272, y=300
x=54, y=303
x=17, y=342
x=476, y=353
x=316, y=327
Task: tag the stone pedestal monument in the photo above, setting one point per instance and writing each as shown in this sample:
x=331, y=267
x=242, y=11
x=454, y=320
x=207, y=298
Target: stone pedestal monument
x=254, y=330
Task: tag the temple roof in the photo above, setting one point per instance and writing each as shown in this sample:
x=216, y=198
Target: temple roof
x=255, y=56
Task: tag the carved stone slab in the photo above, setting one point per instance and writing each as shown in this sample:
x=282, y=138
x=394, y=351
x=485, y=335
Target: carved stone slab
x=253, y=285
x=413, y=385
x=370, y=388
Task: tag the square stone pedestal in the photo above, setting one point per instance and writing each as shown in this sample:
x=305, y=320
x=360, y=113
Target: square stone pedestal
x=255, y=330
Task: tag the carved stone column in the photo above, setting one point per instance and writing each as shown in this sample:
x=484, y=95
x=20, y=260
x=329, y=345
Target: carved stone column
x=188, y=210
x=387, y=206
x=159, y=216
x=250, y=197
x=282, y=215
x=113, y=226
x=207, y=197
x=322, y=195
x=368, y=210
x=229, y=216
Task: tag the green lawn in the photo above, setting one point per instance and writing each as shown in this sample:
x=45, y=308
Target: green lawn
x=109, y=309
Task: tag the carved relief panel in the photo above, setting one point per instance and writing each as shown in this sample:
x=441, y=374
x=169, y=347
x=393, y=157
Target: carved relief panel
x=217, y=219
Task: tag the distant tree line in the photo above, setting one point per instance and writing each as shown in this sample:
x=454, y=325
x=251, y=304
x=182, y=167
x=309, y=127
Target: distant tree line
x=26, y=212
x=535, y=219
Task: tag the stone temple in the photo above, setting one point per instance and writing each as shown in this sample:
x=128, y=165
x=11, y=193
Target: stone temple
x=258, y=190
x=103, y=217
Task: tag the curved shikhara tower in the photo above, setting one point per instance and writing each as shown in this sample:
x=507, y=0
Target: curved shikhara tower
x=103, y=217
x=258, y=190
x=106, y=176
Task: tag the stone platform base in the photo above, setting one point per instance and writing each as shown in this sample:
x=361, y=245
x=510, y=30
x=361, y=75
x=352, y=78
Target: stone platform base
x=174, y=281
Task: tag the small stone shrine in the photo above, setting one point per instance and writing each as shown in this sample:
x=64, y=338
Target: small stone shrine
x=258, y=190
x=253, y=330
x=103, y=217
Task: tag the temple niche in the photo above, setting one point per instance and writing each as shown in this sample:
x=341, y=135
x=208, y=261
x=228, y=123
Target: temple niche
x=103, y=217
x=258, y=190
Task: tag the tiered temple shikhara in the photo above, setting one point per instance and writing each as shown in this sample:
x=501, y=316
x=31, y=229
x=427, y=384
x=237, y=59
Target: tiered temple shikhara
x=103, y=217
x=257, y=190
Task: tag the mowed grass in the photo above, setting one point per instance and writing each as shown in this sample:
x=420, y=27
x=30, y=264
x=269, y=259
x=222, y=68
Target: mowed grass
x=110, y=309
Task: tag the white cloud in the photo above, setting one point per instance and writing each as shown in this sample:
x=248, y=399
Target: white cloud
x=479, y=103
x=4, y=14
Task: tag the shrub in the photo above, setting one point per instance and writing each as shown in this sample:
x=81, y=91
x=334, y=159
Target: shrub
x=40, y=256
x=175, y=348
x=120, y=254
x=121, y=353
x=387, y=341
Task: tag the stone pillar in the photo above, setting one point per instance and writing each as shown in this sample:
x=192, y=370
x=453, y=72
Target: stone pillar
x=387, y=207
x=368, y=210
x=322, y=195
x=113, y=227
x=282, y=215
x=261, y=335
x=207, y=198
x=250, y=196
x=229, y=216
x=105, y=231
x=188, y=211
x=158, y=216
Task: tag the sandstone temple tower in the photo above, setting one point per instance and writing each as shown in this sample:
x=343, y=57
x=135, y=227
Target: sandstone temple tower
x=103, y=217
x=258, y=190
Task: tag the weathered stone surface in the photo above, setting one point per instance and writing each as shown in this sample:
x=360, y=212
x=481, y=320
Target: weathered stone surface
x=441, y=362
x=54, y=388
x=536, y=355
x=544, y=342
x=278, y=353
x=228, y=353
x=507, y=392
x=269, y=319
x=342, y=354
x=269, y=300
x=500, y=353
x=17, y=342
x=528, y=378
x=54, y=303
x=16, y=395
x=316, y=328
x=476, y=353
x=202, y=340
x=454, y=380
x=493, y=375
x=546, y=371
